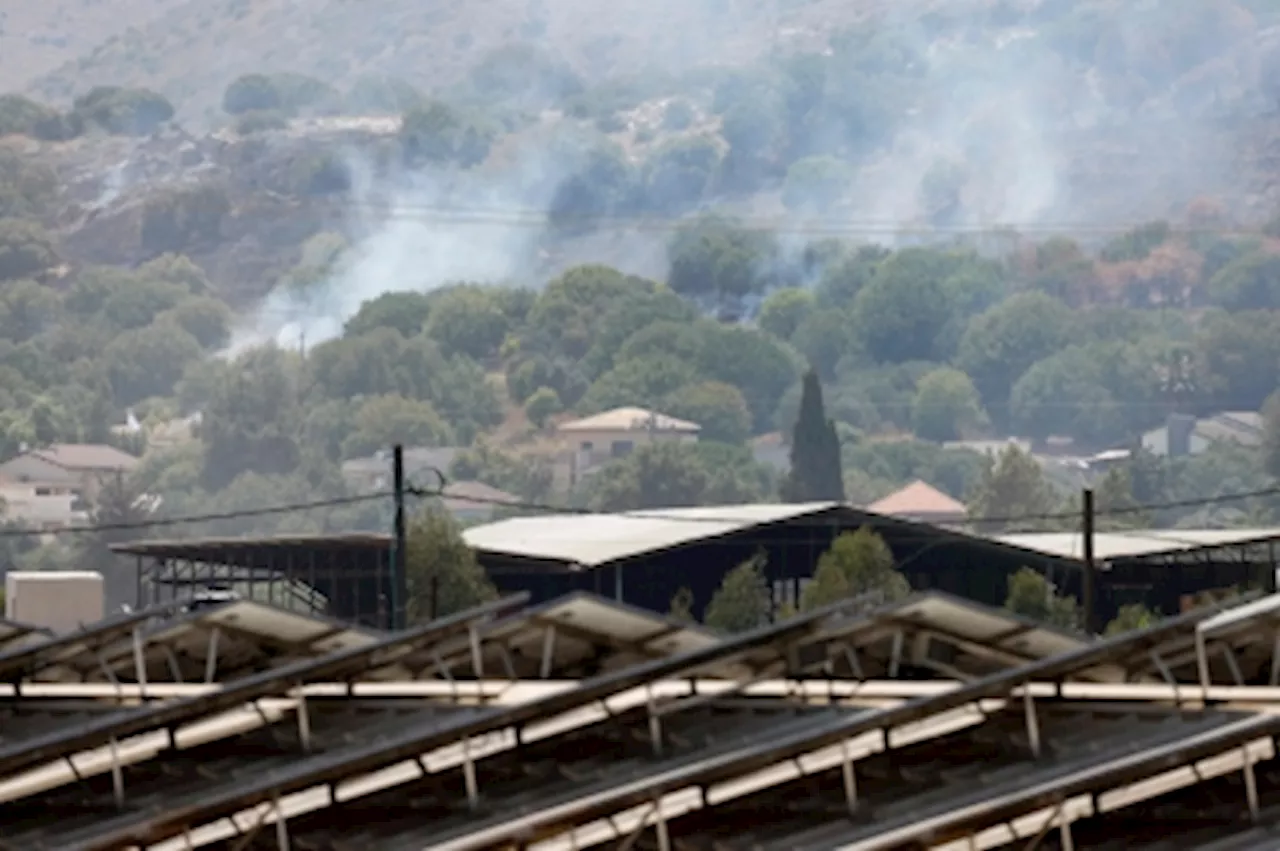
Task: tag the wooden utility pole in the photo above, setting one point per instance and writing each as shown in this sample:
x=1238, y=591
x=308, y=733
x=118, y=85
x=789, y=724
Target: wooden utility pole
x=399, y=582
x=1090, y=583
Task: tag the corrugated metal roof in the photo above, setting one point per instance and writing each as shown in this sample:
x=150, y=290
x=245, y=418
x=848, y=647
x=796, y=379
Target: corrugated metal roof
x=1139, y=542
x=591, y=540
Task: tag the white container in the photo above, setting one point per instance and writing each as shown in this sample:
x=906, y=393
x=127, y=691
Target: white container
x=60, y=600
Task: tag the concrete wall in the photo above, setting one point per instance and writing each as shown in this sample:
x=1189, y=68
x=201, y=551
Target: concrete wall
x=62, y=601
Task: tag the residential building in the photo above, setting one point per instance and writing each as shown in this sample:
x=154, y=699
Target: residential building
x=592, y=441
x=67, y=468
x=1183, y=434
x=22, y=503
x=923, y=502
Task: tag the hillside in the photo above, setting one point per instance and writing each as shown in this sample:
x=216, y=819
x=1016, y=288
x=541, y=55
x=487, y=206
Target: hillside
x=191, y=50
x=326, y=230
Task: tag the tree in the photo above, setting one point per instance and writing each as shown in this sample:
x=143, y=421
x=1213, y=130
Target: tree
x=1033, y=596
x=121, y=505
x=1013, y=487
x=468, y=320
x=383, y=421
x=1002, y=343
x=904, y=308
x=1251, y=282
x=436, y=133
x=26, y=188
x=442, y=573
x=815, y=451
x=719, y=408
x=681, y=609
x=857, y=564
x=742, y=602
x=1131, y=617
x=252, y=419
x=405, y=312
x=783, y=311
x=25, y=249
x=541, y=405
x=124, y=111
x=946, y=406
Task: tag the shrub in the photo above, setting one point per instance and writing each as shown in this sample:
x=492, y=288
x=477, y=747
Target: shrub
x=184, y=217
x=124, y=112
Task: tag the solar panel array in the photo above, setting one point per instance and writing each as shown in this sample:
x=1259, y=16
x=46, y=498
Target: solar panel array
x=582, y=723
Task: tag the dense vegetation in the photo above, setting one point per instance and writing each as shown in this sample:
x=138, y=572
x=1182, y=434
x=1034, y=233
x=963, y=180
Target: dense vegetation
x=917, y=342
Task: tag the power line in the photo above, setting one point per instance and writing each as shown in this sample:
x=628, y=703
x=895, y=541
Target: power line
x=293, y=508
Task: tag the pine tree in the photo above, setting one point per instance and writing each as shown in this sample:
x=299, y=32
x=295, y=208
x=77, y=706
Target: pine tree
x=816, y=473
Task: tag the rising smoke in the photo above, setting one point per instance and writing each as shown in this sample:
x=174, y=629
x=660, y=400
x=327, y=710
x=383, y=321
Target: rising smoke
x=1030, y=116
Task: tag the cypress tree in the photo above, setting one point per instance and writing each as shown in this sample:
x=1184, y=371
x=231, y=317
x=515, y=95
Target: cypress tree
x=815, y=451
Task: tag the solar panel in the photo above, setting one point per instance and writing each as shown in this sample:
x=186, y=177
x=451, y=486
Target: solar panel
x=579, y=635
x=14, y=635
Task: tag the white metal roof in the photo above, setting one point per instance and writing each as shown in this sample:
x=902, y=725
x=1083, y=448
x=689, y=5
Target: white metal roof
x=591, y=540
x=1139, y=542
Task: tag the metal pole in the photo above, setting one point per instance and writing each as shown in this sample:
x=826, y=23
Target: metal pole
x=399, y=583
x=1090, y=583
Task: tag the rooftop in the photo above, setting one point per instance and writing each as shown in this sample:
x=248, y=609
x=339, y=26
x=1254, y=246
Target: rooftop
x=87, y=456
x=590, y=540
x=630, y=419
x=918, y=498
x=1138, y=542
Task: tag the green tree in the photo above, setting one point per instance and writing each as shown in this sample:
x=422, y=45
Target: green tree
x=148, y=361
x=252, y=419
x=26, y=249
x=1033, y=596
x=1131, y=617
x=542, y=405
x=468, y=320
x=719, y=408
x=857, y=564
x=784, y=310
x=1002, y=343
x=124, y=111
x=1013, y=487
x=437, y=133
x=442, y=573
x=815, y=451
x=405, y=312
x=902, y=311
x=383, y=421
x=946, y=406
x=742, y=602
x=27, y=188
x=1251, y=282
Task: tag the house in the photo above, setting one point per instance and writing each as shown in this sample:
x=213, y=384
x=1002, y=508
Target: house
x=67, y=468
x=374, y=473
x=21, y=503
x=923, y=502
x=592, y=441
x=1185, y=435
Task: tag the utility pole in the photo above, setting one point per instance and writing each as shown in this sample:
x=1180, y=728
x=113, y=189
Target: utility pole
x=399, y=584
x=1090, y=583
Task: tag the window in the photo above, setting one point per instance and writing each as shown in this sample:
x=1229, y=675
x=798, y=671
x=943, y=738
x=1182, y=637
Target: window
x=621, y=448
x=586, y=446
